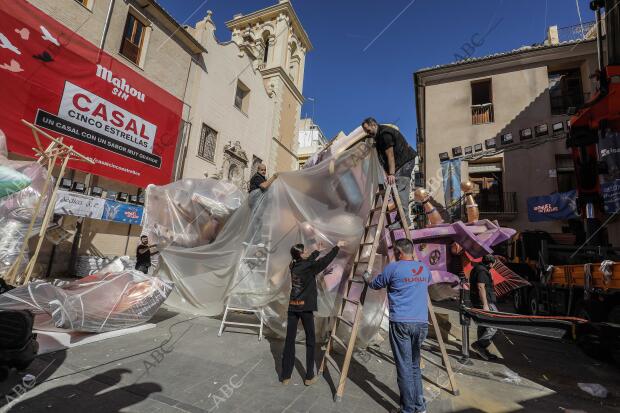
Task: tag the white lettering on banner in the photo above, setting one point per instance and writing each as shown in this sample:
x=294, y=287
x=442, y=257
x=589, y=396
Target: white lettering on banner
x=79, y=205
x=97, y=114
x=122, y=88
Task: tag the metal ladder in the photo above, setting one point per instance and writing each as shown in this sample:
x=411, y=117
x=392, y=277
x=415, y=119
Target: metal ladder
x=257, y=264
x=380, y=205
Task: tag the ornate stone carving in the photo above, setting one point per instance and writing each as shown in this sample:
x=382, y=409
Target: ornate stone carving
x=234, y=165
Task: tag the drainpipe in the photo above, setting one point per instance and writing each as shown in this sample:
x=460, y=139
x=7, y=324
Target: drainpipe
x=105, y=28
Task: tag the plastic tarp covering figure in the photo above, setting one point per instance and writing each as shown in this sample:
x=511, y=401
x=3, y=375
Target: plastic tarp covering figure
x=190, y=212
x=97, y=303
x=26, y=180
x=248, y=261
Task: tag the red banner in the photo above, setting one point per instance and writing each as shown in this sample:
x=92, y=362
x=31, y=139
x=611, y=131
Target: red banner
x=52, y=77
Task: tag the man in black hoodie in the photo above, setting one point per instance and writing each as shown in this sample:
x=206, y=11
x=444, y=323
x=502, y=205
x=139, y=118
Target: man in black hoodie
x=482, y=296
x=303, y=302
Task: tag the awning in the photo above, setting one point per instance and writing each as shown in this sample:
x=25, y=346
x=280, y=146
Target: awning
x=485, y=167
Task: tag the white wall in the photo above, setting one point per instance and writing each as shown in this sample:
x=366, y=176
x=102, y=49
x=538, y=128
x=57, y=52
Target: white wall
x=212, y=101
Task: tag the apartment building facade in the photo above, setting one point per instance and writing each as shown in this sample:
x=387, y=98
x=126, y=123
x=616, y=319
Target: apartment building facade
x=501, y=122
x=311, y=140
x=135, y=46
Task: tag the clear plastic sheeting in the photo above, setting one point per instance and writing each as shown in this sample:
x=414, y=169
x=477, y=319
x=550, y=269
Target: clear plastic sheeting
x=97, y=303
x=248, y=261
x=16, y=210
x=190, y=212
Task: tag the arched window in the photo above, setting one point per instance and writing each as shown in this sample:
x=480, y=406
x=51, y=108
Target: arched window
x=293, y=64
x=265, y=46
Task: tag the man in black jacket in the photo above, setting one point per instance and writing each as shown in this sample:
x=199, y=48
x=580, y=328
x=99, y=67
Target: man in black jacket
x=396, y=157
x=482, y=296
x=143, y=254
x=302, y=303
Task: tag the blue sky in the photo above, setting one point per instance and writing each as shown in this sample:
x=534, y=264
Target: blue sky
x=364, y=55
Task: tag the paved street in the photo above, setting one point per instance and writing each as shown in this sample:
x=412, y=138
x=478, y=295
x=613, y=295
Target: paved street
x=197, y=372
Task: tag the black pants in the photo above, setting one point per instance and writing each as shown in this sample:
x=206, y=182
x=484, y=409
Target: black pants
x=142, y=267
x=288, y=357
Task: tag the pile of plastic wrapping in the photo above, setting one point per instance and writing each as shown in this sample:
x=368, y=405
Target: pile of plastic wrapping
x=109, y=300
x=21, y=186
x=97, y=303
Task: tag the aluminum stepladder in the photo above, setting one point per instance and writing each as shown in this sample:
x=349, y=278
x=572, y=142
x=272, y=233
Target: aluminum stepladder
x=255, y=258
x=380, y=205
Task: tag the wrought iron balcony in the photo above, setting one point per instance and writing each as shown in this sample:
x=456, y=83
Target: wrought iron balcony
x=482, y=114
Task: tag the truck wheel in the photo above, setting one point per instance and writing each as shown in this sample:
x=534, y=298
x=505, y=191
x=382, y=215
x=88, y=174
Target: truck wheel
x=534, y=301
x=614, y=315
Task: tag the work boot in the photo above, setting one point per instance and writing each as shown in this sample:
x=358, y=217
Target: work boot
x=310, y=382
x=285, y=381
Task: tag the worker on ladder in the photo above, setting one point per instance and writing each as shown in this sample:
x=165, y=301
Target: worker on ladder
x=407, y=284
x=396, y=157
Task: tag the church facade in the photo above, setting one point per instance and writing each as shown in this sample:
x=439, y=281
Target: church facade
x=246, y=100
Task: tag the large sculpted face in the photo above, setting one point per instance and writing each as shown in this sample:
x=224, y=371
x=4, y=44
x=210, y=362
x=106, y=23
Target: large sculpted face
x=467, y=187
x=420, y=195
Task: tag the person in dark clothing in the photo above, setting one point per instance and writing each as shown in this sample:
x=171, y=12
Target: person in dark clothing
x=482, y=295
x=258, y=181
x=395, y=155
x=143, y=254
x=303, y=302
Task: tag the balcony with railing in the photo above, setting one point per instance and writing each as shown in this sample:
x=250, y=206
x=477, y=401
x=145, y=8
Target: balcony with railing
x=481, y=114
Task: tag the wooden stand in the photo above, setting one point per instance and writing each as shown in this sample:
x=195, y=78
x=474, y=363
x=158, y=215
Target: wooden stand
x=56, y=152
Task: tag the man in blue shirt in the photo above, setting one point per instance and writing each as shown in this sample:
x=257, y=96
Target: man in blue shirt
x=407, y=283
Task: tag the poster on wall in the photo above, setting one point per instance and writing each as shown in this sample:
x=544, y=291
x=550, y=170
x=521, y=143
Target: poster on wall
x=121, y=212
x=52, y=77
x=69, y=203
x=553, y=207
x=78, y=205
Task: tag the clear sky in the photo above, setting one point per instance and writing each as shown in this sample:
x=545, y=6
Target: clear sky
x=366, y=51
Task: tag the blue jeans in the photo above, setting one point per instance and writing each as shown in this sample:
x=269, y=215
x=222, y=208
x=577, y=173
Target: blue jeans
x=406, y=340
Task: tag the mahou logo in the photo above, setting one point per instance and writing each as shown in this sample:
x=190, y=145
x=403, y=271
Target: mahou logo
x=122, y=88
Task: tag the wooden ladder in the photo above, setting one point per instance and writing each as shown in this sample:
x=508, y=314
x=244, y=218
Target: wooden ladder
x=380, y=205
